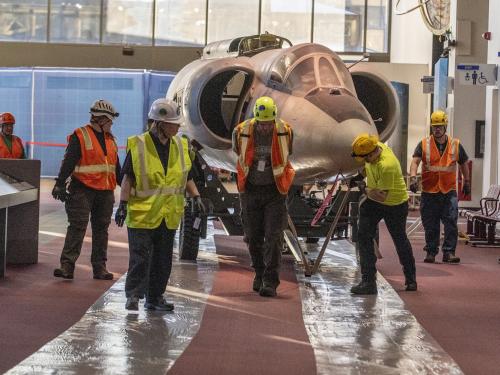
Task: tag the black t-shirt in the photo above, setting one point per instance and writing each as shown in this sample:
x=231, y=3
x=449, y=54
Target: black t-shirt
x=163, y=152
x=462, y=155
x=73, y=155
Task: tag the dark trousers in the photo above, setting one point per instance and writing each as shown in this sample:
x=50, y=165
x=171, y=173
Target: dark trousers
x=264, y=216
x=436, y=208
x=150, y=262
x=370, y=214
x=82, y=203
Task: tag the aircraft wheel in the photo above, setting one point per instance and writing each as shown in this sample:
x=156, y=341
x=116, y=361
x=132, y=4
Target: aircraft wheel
x=312, y=240
x=189, y=238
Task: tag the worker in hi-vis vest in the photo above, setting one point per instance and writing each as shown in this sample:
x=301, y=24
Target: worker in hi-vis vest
x=440, y=155
x=387, y=199
x=156, y=175
x=86, y=183
x=11, y=146
x=263, y=144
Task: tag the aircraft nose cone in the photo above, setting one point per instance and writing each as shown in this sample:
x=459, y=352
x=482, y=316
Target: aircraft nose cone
x=339, y=104
x=326, y=123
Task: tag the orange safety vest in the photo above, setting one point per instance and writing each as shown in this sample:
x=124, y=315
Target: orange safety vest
x=439, y=172
x=280, y=148
x=17, y=148
x=94, y=169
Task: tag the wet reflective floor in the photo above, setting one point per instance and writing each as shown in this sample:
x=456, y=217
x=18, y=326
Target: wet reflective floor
x=364, y=334
x=350, y=335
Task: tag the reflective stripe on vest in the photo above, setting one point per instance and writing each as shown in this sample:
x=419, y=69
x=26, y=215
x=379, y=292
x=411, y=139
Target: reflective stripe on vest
x=282, y=171
x=16, y=151
x=96, y=169
x=157, y=195
x=439, y=171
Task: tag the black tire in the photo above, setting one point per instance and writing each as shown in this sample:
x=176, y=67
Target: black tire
x=189, y=238
x=312, y=240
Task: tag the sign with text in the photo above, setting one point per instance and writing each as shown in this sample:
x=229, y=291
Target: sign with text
x=477, y=74
x=428, y=84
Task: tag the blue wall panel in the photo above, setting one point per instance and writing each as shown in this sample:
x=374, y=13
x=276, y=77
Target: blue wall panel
x=62, y=98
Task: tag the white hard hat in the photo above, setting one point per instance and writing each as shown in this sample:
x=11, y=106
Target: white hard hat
x=104, y=108
x=165, y=110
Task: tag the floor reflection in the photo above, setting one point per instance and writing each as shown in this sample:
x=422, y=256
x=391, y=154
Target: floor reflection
x=363, y=334
x=112, y=340
x=350, y=335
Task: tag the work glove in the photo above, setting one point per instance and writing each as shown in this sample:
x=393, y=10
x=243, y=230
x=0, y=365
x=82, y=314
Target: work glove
x=121, y=213
x=413, y=184
x=466, y=188
x=361, y=186
x=354, y=181
x=199, y=204
x=59, y=192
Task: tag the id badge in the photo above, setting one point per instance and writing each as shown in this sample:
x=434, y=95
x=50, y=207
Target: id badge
x=261, y=165
x=196, y=224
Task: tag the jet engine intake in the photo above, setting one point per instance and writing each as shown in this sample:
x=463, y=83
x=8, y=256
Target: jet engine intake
x=223, y=104
x=380, y=99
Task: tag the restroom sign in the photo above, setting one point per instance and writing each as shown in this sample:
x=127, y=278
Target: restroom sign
x=477, y=74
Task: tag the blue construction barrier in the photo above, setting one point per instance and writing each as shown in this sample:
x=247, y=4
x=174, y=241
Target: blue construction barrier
x=50, y=103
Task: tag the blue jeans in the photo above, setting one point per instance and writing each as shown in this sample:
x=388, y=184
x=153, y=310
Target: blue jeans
x=434, y=209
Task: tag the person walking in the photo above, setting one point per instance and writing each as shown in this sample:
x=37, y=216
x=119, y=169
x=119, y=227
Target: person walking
x=11, y=146
x=91, y=162
x=440, y=155
x=156, y=174
x=263, y=145
x=387, y=198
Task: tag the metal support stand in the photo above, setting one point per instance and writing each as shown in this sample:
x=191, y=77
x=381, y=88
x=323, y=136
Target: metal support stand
x=297, y=250
x=331, y=231
x=412, y=228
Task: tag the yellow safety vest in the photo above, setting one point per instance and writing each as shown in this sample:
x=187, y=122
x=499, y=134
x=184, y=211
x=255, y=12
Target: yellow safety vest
x=156, y=195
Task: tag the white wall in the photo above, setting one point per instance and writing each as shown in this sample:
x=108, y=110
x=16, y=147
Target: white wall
x=418, y=102
x=411, y=57
x=467, y=103
x=491, y=165
x=411, y=41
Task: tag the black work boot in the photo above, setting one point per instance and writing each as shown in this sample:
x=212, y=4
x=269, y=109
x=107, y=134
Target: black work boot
x=132, y=303
x=267, y=290
x=101, y=273
x=257, y=283
x=365, y=287
x=158, y=304
x=450, y=258
x=65, y=271
x=430, y=258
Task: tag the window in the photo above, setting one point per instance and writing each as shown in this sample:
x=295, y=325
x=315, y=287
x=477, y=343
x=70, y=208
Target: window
x=291, y=19
x=23, y=20
x=229, y=19
x=128, y=21
x=75, y=22
x=327, y=73
x=339, y=25
x=180, y=23
x=344, y=26
x=377, y=30
x=302, y=79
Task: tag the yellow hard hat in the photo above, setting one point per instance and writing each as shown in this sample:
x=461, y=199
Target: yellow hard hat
x=363, y=145
x=439, y=118
x=265, y=109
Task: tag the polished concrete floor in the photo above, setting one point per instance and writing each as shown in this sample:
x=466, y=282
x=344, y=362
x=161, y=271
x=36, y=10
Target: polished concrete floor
x=350, y=335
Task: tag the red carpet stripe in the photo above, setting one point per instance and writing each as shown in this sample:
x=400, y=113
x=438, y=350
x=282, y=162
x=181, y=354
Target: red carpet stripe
x=243, y=333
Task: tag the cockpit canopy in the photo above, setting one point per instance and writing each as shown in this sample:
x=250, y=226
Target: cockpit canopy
x=307, y=67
